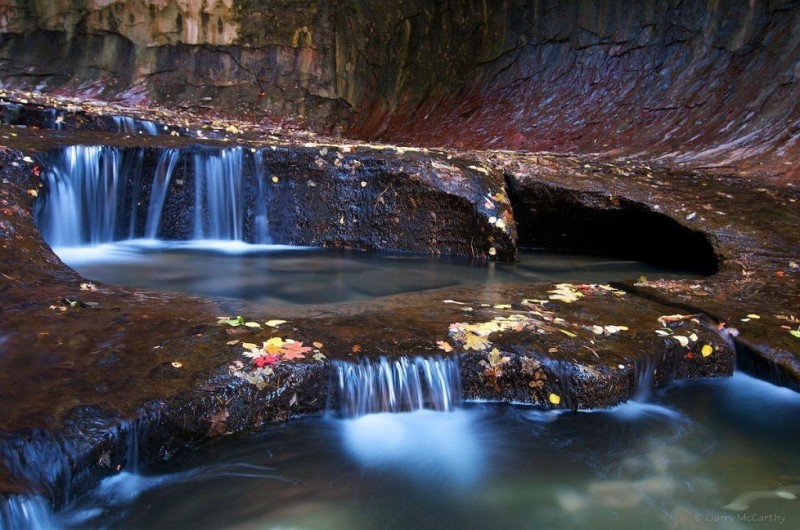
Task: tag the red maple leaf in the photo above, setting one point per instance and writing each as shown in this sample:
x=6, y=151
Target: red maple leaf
x=266, y=360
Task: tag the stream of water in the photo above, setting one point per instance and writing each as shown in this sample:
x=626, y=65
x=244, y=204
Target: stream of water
x=702, y=454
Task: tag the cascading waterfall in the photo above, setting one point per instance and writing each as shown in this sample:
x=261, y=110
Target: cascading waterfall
x=219, y=208
x=128, y=125
x=101, y=194
x=158, y=192
x=83, y=197
x=260, y=221
x=397, y=385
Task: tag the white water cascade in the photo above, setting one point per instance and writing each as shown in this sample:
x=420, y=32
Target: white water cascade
x=100, y=194
x=218, y=212
x=397, y=385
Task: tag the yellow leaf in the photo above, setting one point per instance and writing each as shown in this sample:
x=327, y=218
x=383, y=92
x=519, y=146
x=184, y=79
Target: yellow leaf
x=232, y=342
x=445, y=346
x=492, y=251
x=567, y=333
x=252, y=324
x=247, y=345
x=274, y=345
x=503, y=306
x=555, y=399
x=706, y=350
x=475, y=342
x=274, y=323
x=753, y=316
x=275, y=180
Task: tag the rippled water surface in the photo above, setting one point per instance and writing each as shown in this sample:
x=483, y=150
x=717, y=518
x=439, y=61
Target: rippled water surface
x=702, y=454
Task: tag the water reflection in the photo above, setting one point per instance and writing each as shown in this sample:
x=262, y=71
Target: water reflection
x=679, y=461
x=282, y=275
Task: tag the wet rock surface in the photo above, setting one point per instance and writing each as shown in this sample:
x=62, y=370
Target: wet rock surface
x=83, y=365
x=86, y=366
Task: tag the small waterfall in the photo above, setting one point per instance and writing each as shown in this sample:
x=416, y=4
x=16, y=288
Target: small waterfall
x=397, y=385
x=218, y=203
x=158, y=193
x=643, y=371
x=128, y=125
x=101, y=194
x=84, y=194
x=31, y=512
x=260, y=221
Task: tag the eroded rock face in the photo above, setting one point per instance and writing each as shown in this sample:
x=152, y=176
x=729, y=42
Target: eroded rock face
x=697, y=82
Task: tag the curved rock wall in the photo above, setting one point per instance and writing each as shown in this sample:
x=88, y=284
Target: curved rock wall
x=701, y=82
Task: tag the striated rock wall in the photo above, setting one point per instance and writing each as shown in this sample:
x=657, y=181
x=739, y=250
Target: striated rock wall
x=702, y=82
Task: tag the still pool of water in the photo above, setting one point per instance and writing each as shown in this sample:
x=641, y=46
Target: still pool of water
x=283, y=275
x=699, y=454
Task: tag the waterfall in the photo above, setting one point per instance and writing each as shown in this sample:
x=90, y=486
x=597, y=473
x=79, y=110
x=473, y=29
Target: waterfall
x=158, y=193
x=260, y=221
x=396, y=385
x=643, y=372
x=218, y=211
x=128, y=125
x=83, y=196
x=101, y=194
x=25, y=511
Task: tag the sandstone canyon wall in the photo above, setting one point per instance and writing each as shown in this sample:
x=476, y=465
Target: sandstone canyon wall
x=708, y=82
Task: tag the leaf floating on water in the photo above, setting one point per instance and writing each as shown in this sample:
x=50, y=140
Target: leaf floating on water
x=555, y=399
x=444, y=346
x=274, y=323
x=252, y=324
x=706, y=350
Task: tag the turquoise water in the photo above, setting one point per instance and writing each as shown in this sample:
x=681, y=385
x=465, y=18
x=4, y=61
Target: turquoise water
x=689, y=457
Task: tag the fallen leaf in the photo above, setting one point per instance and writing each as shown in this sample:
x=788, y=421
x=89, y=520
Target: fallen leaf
x=567, y=333
x=683, y=341
x=317, y=345
x=706, y=350
x=252, y=324
x=319, y=357
x=555, y=399
x=445, y=346
x=266, y=360
x=795, y=333
x=475, y=342
x=274, y=345
x=177, y=364
x=294, y=350
x=753, y=316
x=218, y=422
x=356, y=348
x=232, y=342
x=274, y=323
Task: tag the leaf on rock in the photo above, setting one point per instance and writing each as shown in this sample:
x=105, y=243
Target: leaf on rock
x=266, y=360
x=274, y=323
x=475, y=342
x=218, y=423
x=555, y=399
x=294, y=350
x=706, y=350
x=444, y=346
x=319, y=356
x=683, y=341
